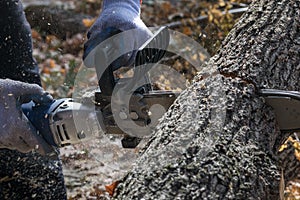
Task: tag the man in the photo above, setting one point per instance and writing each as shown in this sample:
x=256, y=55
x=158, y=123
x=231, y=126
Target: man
x=30, y=169
x=26, y=171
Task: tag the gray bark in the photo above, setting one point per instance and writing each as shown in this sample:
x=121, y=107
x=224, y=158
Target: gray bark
x=220, y=140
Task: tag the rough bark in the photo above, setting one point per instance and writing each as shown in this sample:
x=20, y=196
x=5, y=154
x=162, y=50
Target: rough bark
x=220, y=140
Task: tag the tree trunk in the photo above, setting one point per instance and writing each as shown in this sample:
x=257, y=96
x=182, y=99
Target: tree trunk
x=220, y=140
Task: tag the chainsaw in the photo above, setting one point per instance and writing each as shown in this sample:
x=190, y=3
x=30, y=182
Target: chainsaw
x=67, y=121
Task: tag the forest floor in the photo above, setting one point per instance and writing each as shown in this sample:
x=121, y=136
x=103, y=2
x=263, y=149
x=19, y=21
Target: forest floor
x=93, y=168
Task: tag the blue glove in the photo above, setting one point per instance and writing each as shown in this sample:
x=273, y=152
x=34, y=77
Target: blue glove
x=16, y=132
x=117, y=16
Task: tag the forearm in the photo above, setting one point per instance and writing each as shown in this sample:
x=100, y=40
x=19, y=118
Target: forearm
x=16, y=57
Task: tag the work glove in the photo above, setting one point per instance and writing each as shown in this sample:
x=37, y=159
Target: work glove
x=117, y=16
x=16, y=132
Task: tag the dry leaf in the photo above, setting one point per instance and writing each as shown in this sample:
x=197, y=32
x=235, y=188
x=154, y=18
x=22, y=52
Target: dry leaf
x=216, y=12
x=62, y=71
x=88, y=22
x=297, y=154
x=111, y=188
x=52, y=63
x=46, y=70
x=296, y=145
x=50, y=38
x=166, y=6
x=187, y=30
x=35, y=35
x=285, y=144
x=222, y=3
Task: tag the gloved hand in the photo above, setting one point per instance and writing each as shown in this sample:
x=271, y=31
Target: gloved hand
x=117, y=16
x=16, y=132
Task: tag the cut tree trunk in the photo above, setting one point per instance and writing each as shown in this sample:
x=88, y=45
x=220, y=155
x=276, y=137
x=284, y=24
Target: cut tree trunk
x=220, y=140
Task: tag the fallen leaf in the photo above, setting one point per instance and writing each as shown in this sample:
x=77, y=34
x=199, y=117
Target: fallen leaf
x=187, y=30
x=111, y=188
x=285, y=144
x=166, y=7
x=88, y=22
x=297, y=154
x=52, y=63
x=46, y=70
x=35, y=35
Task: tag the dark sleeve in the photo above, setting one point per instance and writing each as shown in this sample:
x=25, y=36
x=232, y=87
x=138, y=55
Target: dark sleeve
x=16, y=58
x=23, y=176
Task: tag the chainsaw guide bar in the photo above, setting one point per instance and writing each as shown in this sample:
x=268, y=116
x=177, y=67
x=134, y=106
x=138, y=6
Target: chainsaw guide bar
x=286, y=105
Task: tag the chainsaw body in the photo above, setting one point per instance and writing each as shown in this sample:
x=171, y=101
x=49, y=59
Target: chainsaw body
x=55, y=121
x=65, y=121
